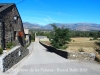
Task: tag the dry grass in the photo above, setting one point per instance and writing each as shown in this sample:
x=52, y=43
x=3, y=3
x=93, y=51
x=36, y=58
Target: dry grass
x=46, y=42
x=80, y=42
x=77, y=43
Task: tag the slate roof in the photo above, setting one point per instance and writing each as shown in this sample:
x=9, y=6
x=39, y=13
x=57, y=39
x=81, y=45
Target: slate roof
x=4, y=6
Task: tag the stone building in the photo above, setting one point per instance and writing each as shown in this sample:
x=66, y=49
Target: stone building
x=41, y=38
x=27, y=36
x=11, y=26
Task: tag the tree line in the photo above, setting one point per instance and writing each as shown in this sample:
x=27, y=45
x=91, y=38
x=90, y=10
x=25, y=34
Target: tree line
x=59, y=37
x=72, y=34
x=85, y=34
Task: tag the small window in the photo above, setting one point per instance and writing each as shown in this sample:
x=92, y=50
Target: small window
x=0, y=6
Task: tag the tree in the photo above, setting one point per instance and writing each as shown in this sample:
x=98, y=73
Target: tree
x=97, y=51
x=32, y=35
x=61, y=37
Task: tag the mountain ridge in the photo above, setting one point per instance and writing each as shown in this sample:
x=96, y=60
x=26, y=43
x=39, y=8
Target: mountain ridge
x=72, y=26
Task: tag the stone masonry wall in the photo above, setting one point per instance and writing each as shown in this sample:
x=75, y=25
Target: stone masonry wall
x=68, y=55
x=14, y=57
x=10, y=25
x=81, y=56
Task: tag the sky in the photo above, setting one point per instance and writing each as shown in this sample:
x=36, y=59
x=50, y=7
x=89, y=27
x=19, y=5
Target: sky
x=44, y=12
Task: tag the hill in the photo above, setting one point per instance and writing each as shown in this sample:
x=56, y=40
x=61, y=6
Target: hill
x=72, y=26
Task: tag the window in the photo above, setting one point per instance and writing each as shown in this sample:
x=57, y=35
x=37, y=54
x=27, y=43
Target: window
x=0, y=6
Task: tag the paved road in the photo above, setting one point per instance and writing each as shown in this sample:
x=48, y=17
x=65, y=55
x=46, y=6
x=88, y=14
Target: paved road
x=42, y=62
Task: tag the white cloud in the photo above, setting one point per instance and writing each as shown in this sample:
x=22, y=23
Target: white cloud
x=46, y=20
x=42, y=20
x=42, y=17
x=51, y=19
x=48, y=12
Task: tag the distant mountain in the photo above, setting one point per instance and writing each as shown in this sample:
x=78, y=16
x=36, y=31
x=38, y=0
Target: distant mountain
x=72, y=26
x=30, y=25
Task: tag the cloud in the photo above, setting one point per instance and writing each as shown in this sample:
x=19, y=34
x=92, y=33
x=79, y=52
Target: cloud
x=46, y=20
x=43, y=21
x=51, y=19
x=42, y=17
x=48, y=12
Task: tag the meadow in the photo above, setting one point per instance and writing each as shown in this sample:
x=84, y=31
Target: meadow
x=83, y=43
x=78, y=43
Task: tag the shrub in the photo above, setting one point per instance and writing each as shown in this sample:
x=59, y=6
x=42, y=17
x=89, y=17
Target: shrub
x=95, y=38
x=98, y=51
x=81, y=50
x=98, y=39
x=97, y=48
x=73, y=40
x=64, y=47
x=10, y=45
x=1, y=50
x=91, y=39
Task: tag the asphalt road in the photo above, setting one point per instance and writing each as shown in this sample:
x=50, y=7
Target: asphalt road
x=42, y=62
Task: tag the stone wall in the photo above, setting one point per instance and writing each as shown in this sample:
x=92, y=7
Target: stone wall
x=59, y=52
x=10, y=24
x=81, y=56
x=12, y=57
x=68, y=55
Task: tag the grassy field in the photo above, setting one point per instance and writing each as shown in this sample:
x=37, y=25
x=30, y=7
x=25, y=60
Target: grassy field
x=46, y=42
x=85, y=44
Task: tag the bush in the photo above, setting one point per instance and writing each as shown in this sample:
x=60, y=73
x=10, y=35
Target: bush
x=73, y=40
x=98, y=39
x=1, y=51
x=81, y=50
x=91, y=39
x=64, y=47
x=95, y=38
x=10, y=45
x=98, y=51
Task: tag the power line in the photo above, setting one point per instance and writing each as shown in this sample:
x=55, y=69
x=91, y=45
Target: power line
x=20, y=2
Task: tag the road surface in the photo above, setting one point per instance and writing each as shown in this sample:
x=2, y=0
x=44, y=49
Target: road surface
x=42, y=62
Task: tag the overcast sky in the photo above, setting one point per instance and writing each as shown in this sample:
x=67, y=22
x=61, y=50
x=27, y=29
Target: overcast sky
x=58, y=11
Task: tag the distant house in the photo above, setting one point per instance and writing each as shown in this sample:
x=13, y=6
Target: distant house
x=41, y=38
x=11, y=26
x=27, y=36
